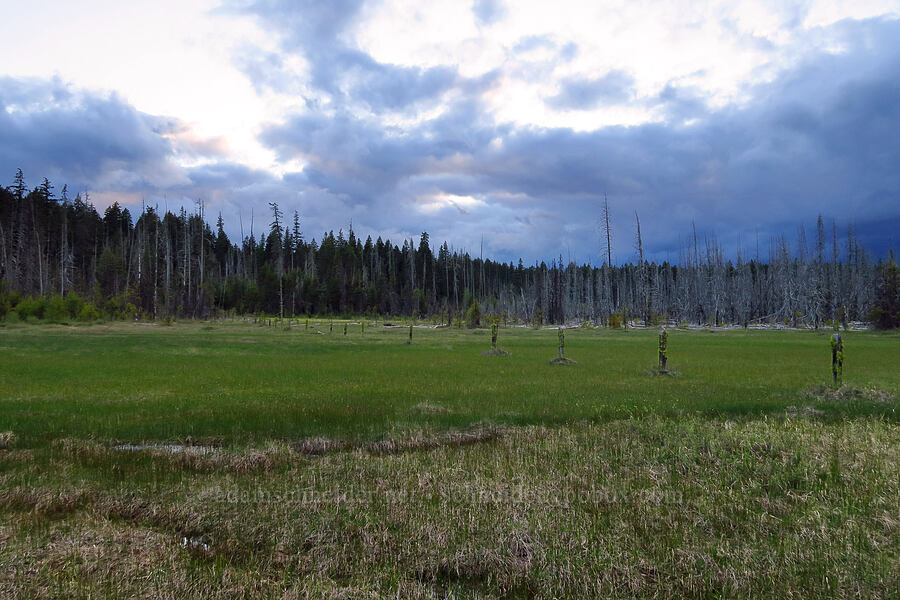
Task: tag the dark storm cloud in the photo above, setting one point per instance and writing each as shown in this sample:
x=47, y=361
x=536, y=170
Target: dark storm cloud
x=577, y=93
x=820, y=138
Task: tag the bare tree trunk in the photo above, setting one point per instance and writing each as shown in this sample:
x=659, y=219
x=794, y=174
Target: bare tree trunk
x=607, y=230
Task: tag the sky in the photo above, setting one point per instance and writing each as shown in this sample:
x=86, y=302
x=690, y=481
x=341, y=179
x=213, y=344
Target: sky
x=497, y=126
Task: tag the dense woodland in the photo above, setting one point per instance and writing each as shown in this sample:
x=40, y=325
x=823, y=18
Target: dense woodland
x=59, y=258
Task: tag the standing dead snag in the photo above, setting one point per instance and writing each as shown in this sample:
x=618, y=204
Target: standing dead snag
x=837, y=358
x=663, y=350
x=561, y=359
x=495, y=351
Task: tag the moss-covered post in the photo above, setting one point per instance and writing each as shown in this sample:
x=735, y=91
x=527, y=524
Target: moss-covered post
x=562, y=341
x=663, y=350
x=837, y=358
x=409, y=341
x=494, y=337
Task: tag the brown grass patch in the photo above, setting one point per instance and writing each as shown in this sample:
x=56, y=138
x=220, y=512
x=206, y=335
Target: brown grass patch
x=421, y=441
x=561, y=360
x=495, y=352
x=850, y=393
x=424, y=408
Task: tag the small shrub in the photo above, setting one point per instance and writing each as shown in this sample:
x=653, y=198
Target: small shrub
x=129, y=312
x=473, y=315
x=31, y=307
x=615, y=321
x=56, y=310
x=12, y=317
x=74, y=302
x=88, y=312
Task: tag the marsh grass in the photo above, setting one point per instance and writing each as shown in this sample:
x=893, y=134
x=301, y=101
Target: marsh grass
x=333, y=467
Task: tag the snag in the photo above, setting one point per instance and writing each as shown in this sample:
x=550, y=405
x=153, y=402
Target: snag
x=663, y=350
x=837, y=358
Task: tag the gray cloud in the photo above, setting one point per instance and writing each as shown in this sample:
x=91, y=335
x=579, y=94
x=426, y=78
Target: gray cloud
x=82, y=138
x=577, y=93
x=818, y=139
x=488, y=12
x=347, y=74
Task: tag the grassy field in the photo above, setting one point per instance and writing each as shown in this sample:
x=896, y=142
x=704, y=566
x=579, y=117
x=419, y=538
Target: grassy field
x=297, y=462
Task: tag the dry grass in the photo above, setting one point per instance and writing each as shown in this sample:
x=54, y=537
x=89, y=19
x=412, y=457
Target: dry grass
x=634, y=508
x=495, y=352
x=425, y=408
x=851, y=393
x=561, y=360
x=7, y=439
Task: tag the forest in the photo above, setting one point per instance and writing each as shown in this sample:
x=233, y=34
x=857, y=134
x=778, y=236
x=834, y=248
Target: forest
x=60, y=259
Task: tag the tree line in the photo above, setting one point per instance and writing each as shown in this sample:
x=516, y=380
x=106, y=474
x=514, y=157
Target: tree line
x=59, y=256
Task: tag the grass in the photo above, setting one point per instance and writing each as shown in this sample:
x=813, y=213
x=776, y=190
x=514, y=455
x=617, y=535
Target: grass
x=359, y=466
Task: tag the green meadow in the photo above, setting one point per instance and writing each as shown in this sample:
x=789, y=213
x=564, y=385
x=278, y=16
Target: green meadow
x=231, y=459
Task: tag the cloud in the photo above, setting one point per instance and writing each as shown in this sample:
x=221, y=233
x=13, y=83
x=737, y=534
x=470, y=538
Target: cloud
x=576, y=93
x=266, y=70
x=316, y=32
x=403, y=148
x=771, y=163
x=488, y=12
x=86, y=139
x=100, y=143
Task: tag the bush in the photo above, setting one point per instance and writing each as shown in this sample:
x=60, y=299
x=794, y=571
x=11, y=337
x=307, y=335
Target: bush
x=615, y=321
x=88, y=312
x=473, y=315
x=74, y=302
x=56, y=310
x=11, y=317
x=31, y=307
x=129, y=312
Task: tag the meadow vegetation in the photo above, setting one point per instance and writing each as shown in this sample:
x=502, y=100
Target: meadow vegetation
x=230, y=459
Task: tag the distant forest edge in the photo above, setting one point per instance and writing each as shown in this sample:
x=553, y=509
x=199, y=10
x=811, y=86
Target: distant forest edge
x=59, y=260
